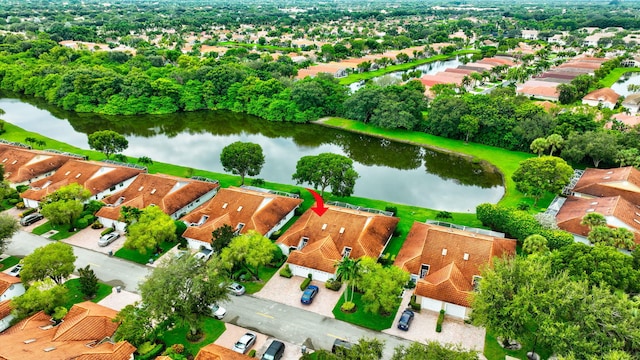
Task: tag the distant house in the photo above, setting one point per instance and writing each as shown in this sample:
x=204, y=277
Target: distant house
x=629, y=121
x=101, y=179
x=616, y=210
x=316, y=243
x=624, y=181
x=85, y=333
x=632, y=103
x=530, y=34
x=604, y=97
x=550, y=93
x=217, y=352
x=446, y=263
x=241, y=208
x=174, y=195
x=23, y=166
x=10, y=287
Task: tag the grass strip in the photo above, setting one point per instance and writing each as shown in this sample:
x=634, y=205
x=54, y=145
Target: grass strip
x=211, y=328
x=76, y=296
x=360, y=317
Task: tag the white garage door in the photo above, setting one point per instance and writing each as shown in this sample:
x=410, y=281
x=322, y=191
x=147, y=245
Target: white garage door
x=455, y=310
x=431, y=304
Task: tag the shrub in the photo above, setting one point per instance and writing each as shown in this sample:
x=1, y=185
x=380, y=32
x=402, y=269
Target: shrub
x=97, y=225
x=386, y=259
x=20, y=205
x=151, y=353
x=286, y=272
x=391, y=209
x=440, y=321
x=93, y=206
x=178, y=348
x=181, y=227
x=107, y=231
x=239, y=275
x=298, y=211
x=257, y=182
x=13, y=201
x=305, y=283
x=278, y=257
x=28, y=211
x=333, y=284
x=413, y=304
x=81, y=224
x=22, y=188
x=252, y=353
x=348, y=307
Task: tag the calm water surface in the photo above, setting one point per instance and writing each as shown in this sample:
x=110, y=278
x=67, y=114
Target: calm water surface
x=388, y=170
x=621, y=86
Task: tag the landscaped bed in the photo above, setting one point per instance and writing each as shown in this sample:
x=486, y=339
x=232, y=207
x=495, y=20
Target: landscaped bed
x=136, y=256
x=211, y=328
x=362, y=318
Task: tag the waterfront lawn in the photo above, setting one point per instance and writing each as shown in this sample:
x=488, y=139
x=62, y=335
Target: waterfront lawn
x=75, y=296
x=360, y=317
x=615, y=74
x=63, y=231
x=140, y=258
x=211, y=328
x=9, y=262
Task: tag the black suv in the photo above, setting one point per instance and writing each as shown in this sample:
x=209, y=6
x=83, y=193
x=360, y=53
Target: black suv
x=274, y=351
x=338, y=344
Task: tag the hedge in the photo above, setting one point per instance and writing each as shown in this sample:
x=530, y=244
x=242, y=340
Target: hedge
x=440, y=321
x=28, y=211
x=151, y=354
x=286, y=272
x=107, y=231
x=305, y=283
x=333, y=284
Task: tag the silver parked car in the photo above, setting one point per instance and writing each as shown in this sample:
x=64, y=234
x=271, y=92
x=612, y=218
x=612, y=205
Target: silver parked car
x=245, y=343
x=108, y=238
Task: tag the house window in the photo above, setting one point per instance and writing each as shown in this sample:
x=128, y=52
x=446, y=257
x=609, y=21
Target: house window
x=476, y=282
x=424, y=271
x=346, y=252
x=239, y=228
x=303, y=242
x=112, y=188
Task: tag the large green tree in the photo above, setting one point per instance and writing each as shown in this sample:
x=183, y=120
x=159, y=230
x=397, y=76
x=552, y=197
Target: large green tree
x=54, y=261
x=432, y=350
x=535, y=176
x=221, y=237
x=327, y=170
x=42, y=295
x=364, y=349
x=183, y=289
x=136, y=325
x=249, y=251
x=65, y=205
x=108, y=142
x=152, y=228
x=242, y=158
x=381, y=286
x=8, y=227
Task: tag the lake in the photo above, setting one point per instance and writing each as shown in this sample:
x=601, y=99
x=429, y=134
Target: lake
x=389, y=171
x=620, y=87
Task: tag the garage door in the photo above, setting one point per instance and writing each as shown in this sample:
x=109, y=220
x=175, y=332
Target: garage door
x=431, y=304
x=455, y=310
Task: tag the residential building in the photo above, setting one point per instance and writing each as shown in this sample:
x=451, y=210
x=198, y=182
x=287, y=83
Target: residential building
x=605, y=97
x=243, y=209
x=530, y=34
x=176, y=197
x=628, y=121
x=100, y=178
x=446, y=263
x=23, y=166
x=316, y=243
x=632, y=103
x=10, y=287
x=217, y=352
x=84, y=333
x=624, y=181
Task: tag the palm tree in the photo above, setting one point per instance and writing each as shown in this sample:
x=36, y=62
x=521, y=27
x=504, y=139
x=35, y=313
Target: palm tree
x=593, y=219
x=623, y=239
x=555, y=142
x=535, y=244
x=348, y=269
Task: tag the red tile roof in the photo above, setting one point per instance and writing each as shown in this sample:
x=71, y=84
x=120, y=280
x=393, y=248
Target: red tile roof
x=450, y=276
x=217, y=352
x=6, y=281
x=623, y=181
x=545, y=91
x=21, y=164
x=77, y=337
x=604, y=94
x=260, y=211
x=5, y=308
x=170, y=193
x=365, y=233
x=94, y=176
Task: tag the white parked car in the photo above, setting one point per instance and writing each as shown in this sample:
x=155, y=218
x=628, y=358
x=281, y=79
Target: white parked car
x=108, y=238
x=217, y=311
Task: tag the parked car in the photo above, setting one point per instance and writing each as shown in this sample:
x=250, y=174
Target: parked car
x=236, y=289
x=108, y=238
x=16, y=270
x=274, y=351
x=245, y=343
x=217, y=311
x=309, y=293
x=339, y=343
x=30, y=219
x=204, y=254
x=405, y=320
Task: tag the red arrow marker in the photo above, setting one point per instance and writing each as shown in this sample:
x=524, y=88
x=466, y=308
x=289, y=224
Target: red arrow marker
x=319, y=209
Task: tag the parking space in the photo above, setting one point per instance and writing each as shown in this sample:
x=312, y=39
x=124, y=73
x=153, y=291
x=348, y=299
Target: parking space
x=233, y=333
x=287, y=291
x=88, y=239
x=423, y=329
x=16, y=213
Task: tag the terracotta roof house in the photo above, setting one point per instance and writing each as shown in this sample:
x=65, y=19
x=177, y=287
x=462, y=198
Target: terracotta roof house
x=628, y=120
x=617, y=211
x=10, y=287
x=539, y=92
x=632, y=103
x=101, y=179
x=23, y=166
x=623, y=181
x=316, y=243
x=604, y=97
x=176, y=196
x=446, y=263
x=243, y=209
x=84, y=334
x=217, y=352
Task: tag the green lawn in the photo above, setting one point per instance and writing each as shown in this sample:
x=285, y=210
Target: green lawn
x=493, y=350
x=362, y=318
x=135, y=256
x=8, y=262
x=63, y=230
x=351, y=78
x=615, y=74
x=265, y=273
x=75, y=295
x=212, y=329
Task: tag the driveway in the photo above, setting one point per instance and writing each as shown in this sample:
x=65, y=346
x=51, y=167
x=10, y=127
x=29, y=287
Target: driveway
x=88, y=239
x=118, y=300
x=16, y=214
x=287, y=291
x=423, y=329
x=233, y=333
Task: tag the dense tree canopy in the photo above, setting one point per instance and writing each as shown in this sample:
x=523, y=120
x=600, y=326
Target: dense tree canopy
x=535, y=176
x=54, y=260
x=242, y=158
x=108, y=142
x=8, y=227
x=327, y=170
x=152, y=228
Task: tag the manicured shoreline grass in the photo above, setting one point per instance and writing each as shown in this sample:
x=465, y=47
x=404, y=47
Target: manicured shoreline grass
x=351, y=78
x=615, y=75
x=360, y=317
x=76, y=296
x=211, y=328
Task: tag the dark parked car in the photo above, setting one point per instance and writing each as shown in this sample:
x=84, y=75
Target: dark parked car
x=310, y=292
x=16, y=270
x=108, y=238
x=405, y=320
x=245, y=343
x=274, y=351
x=30, y=219
x=340, y=344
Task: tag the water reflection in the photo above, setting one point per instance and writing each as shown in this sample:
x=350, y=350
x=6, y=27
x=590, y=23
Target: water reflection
x=621, y=86
x=390, y=171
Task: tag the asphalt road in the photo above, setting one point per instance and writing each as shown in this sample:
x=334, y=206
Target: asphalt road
x=281, y=321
